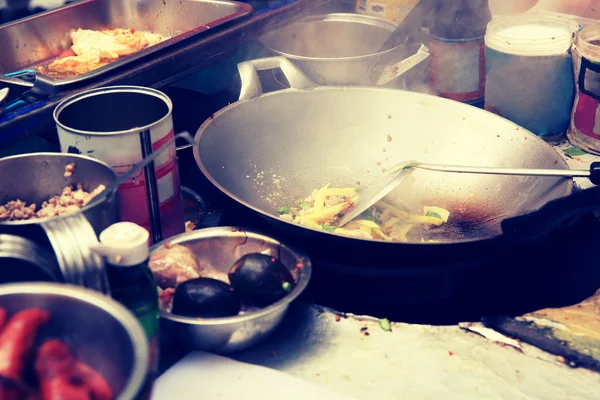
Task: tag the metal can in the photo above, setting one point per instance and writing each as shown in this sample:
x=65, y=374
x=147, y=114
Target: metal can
x=121, y=125
x=585, y=117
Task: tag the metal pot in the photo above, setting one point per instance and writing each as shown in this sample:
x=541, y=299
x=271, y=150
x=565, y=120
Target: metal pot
x=101, y=332
x=36, y=177
x=221, y=247
x=342, y=49
x=347, y=136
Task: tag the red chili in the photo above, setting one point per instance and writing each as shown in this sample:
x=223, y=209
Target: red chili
x=55, y=368
x=3, y=318
x=96, y=382
x=63, y=387
x=55, y=360
x=9, y=392
x=17, y=339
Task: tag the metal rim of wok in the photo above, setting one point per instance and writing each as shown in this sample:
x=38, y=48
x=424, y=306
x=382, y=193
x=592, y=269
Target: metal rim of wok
x=337, y=17
x=271, y=216
x=125, y=318
x=58, y=155
x=234, y=232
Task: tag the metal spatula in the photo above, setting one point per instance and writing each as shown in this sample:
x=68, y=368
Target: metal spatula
x=387, y=182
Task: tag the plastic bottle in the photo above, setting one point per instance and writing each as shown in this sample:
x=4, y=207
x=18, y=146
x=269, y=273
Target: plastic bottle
x=457, y=61
x=125, y=248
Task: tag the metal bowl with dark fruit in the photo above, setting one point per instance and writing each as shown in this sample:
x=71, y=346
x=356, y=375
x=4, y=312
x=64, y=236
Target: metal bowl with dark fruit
x=227, y=288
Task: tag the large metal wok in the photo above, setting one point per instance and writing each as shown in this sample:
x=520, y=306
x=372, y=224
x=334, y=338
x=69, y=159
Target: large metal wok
x=268, y=150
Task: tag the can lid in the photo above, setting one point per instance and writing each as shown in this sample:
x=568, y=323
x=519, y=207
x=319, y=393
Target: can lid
x=125, y=244
x=531, y=35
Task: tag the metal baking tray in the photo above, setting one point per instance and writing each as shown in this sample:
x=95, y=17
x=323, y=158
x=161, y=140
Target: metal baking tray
x=37, y=40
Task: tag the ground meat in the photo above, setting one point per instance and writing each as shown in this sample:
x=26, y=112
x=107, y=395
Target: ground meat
x=68, y=201
x=69, y=169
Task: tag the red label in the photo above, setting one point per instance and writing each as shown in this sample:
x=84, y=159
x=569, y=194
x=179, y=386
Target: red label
x=133, y=198
x=587, y=116
x=457, y=69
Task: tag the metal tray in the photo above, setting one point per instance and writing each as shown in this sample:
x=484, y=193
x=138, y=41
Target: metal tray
x=39, y=39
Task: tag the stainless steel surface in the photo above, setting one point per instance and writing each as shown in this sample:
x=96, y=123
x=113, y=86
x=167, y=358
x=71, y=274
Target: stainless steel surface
x=101, y=332
x=264, y=153
x=220, y=248
x=72, y=239
x=413, y=361
x=36, y=177
x=23, y=260
x=340, y=49
x=38, y=39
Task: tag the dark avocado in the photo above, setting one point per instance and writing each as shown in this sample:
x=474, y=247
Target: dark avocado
x=260, y=279
x=206, y=298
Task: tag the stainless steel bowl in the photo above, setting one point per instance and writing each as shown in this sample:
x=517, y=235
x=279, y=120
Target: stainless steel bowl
x=220, y=248
x=36, y=177
x=101, y=332
x=342, y=49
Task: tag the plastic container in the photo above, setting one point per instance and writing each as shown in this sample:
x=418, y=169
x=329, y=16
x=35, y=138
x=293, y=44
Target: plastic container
x=585, y=121
x=529, y=78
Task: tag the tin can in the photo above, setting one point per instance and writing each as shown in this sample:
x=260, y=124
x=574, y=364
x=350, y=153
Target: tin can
x=584, y=130
x=121, y=125
x=457, y=69
x=392, y=10
x=529, y=77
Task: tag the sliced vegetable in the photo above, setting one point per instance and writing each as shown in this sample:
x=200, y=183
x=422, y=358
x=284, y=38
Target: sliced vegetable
x=328, y=228
x=284, y=210
x=320, y=198
x=303, y=204
x=436, y=212
x=324, y=214
x=573, y=151
x=368, y=224
x=384, y=323
x=349, y=192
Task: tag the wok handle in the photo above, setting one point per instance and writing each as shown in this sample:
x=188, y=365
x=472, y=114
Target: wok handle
x=551, y=216
x=251, y=86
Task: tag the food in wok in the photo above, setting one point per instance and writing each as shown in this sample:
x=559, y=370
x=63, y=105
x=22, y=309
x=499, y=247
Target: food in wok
x=93, y=49
x=50, y=372
x=383, y=221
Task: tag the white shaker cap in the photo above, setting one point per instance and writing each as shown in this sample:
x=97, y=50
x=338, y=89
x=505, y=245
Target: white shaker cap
x=124, y=244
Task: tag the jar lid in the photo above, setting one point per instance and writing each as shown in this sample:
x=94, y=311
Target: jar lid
x=124, y=244
x=531, y=35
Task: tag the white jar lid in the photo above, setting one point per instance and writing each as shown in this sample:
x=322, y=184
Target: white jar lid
x=531, y=35
x=124, y=244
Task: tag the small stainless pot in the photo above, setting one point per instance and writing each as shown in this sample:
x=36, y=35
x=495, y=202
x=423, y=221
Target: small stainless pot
x=343, y=49
x=220, y=248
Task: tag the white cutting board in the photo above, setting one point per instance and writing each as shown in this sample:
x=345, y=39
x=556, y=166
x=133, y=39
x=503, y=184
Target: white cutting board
x=205, y=376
